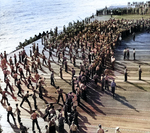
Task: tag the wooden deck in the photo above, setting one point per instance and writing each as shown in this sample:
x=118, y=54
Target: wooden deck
x=130, y=109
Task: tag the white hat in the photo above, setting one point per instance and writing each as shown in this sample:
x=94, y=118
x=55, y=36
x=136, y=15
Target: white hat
x=117, y=128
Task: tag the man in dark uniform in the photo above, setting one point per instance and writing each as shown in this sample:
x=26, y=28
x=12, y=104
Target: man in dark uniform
x=125, y=74
x=140, y=71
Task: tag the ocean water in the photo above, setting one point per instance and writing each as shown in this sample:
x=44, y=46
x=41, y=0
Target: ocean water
x=22, y=19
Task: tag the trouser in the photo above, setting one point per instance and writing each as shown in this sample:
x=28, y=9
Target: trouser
x=102, y=86
x=29, y=83
x=113, y=91
x=25, y=99
x=84, y=95
x=125, y=76
x=52, y=82
x=73, y=131
x=28, y=72
x=35, y=106
x=139, y=75
x=19, y=92
x=35, y=122
x=22, y=75
x=10, y=113
x=15, y=80
x=74, y=63
x=8, y=85
x=60, y=95
x=61, y=128
x=78, y=99
x=96, y=81
x=66, y=116
x=19, y=119
x=44, y=61
x=134, y=56
x=41, y=94
x=66, y=68
x=61, y=75
x=4, y=98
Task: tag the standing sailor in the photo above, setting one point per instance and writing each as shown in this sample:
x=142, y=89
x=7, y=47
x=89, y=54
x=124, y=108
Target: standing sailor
x=140, y=71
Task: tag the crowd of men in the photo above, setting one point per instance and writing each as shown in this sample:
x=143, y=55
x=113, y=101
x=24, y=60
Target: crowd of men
x=93, y=46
